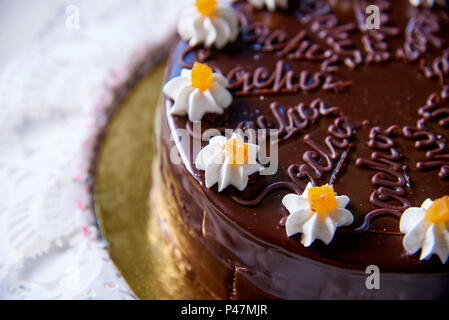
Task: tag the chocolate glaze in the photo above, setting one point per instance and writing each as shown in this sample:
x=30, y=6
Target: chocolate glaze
x=367, y=110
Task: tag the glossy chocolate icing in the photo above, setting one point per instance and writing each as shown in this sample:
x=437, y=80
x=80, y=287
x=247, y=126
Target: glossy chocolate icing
x=367, y=110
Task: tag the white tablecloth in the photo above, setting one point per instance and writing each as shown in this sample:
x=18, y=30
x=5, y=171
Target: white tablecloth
x=49, y=91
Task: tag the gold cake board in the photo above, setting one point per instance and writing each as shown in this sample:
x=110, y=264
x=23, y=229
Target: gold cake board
x=122, y=182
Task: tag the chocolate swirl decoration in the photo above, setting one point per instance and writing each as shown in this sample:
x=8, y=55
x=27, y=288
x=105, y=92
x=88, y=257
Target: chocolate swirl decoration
x=391, y=178
x=272, y=187
x=292, y=120
x=282, y=80
x=300, y=47
x=321, y=159
x=324, y=25
x=437, y=157
x=336, y=36
x=366, y=225
x=320, y=24
x=201, y=55
x=288, y=121
x=437, y=108
x=438, y=69
x=436, y=146
x=421, y=33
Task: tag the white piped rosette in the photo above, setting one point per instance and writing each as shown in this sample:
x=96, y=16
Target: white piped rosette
x=427, y=3
x=313, y=225
x=195, y=102
x=432, y=237
x=270, y=4
x=228, y=169
x=208, y=23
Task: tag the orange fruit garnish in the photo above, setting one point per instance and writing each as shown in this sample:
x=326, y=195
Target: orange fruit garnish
x=201, y=76
x=236, y=151
x=206, y=7
x=322, y=199
x=438, y=211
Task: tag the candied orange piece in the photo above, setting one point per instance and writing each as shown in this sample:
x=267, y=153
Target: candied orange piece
x=322, y=199
x=202, y=76
x=438, y=211
x=236, y=151
x=206, y=7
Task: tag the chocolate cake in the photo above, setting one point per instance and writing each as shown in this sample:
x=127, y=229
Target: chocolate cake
x=352, y=97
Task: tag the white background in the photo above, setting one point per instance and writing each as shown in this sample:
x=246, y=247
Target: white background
x=53, y=82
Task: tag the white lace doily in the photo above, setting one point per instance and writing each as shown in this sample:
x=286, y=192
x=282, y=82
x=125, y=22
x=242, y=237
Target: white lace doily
x=49, y=247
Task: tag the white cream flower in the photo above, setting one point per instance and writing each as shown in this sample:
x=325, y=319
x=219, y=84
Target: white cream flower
x=228, y=162
x=316, y=214
x=426, y=228
x=209, y=24
x=427, y=3
x=197, y=92
x=271, y=4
